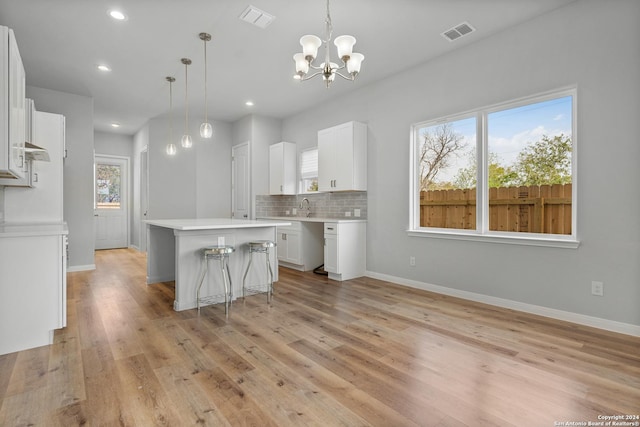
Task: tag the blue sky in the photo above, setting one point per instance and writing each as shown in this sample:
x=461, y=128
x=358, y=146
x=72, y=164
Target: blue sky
x=513, y=129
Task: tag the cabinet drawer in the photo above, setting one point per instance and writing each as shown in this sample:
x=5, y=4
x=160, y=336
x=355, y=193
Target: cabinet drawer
x=330, y=228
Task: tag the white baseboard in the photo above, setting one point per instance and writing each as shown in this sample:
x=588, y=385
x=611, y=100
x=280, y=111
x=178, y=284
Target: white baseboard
x=87, y=267
x=581, y=319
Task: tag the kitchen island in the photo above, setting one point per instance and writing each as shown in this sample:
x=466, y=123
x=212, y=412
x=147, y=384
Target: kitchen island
x=174, y=252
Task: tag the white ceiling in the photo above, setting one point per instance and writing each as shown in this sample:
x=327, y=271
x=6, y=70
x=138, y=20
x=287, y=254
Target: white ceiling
x=61, y=41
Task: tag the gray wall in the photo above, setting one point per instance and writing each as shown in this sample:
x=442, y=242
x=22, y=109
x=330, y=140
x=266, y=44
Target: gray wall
x=578, y=44
x=194, y=183
x=113, y=144
x=78, y=169
x=260, y=132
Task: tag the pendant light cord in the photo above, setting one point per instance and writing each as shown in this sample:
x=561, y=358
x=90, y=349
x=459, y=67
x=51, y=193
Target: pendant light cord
x=205, y=80
x=186, y=97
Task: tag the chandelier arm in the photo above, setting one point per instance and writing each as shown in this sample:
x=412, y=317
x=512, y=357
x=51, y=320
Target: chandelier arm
x=350, y=77
x=307, y=77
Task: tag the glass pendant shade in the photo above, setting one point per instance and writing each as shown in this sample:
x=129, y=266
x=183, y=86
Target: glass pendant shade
x=186, y=141
x=171, y=149
x=345, y=46
x=206, y=130
x=354, y=62
x=310, y=45
x=302, y=65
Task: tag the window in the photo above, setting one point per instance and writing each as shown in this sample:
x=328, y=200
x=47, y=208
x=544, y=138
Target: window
x=309, y=171
x=107, y=186
x=503, y=172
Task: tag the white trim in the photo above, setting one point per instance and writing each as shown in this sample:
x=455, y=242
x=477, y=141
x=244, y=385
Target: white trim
x=88, y=267
x=482, y=232
x=581, y=319
x=527, y=239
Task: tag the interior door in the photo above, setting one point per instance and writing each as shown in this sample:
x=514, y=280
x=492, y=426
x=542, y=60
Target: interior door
x=144, y=198
x=240, y=188
x=110, y=206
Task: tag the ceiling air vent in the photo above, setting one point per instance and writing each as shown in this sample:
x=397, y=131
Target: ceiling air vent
x=458, y=31
x=257, y=17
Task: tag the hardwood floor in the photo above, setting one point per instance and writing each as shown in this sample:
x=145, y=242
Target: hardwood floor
x=324, y=353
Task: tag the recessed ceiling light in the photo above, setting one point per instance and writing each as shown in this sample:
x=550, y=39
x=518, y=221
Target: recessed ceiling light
x=117, y=15
x=103, y=67
x=115, y=125
x=249, y=103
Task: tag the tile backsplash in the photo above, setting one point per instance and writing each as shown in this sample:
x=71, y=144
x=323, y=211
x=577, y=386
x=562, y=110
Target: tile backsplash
x=323, y=205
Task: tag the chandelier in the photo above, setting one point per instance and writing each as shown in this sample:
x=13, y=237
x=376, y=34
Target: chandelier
x=328, y=70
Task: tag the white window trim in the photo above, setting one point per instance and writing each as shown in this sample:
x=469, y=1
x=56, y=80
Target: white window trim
x=482, y=232
x=301, y=187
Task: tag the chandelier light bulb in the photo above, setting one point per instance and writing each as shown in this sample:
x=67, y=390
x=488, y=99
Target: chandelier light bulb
x=171, y=149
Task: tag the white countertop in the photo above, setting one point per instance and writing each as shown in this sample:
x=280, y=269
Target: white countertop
x=213, y=223
x=313, y=219
x=22, y=229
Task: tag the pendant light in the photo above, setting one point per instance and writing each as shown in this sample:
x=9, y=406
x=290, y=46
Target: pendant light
x=206, y=130
x=171, y=147
x=186, y=141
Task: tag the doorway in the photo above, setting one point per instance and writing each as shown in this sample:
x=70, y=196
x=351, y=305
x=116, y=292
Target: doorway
x=111, y=207
x=240, y=179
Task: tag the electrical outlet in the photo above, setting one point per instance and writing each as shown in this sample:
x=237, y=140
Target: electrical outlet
x=288, y=212
x=356, y=212
x=220, y=240
x=412, y=261
x=347, y=213
x=597, y=289
x=295, y=211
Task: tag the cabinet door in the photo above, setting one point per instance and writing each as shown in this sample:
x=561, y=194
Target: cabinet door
x=342, y=157
x=276, y=169
x=17, y=107
x=331, y=253
x=326, y=158
x=294, y=248
x=282, y=168
x=281, y=241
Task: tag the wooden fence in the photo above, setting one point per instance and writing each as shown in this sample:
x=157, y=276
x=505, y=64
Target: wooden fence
x=534, y=209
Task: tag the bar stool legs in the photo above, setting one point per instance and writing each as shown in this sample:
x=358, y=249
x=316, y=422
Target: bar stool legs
x=220, y=253
x=260, y=246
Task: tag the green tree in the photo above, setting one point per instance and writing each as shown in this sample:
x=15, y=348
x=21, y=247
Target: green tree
x=545, y=162
x=499, y=175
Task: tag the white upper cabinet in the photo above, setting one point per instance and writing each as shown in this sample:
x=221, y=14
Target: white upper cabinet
x=282, y=168
x=342, y=158
x=12, y=107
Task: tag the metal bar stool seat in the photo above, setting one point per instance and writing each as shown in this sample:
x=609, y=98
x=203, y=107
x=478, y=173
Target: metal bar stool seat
x=263, y=247
x=220, y=253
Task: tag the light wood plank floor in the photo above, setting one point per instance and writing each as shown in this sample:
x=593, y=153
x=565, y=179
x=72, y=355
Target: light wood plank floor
x=324, y=353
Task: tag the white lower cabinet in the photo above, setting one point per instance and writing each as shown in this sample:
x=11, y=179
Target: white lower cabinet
x=33, y=292
x=345, y=249
x=299, y=245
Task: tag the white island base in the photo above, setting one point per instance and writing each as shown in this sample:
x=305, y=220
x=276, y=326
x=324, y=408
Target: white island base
x=174, y=252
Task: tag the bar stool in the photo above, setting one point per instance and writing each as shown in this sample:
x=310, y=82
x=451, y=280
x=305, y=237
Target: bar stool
x=262, y=247
x=220, y=253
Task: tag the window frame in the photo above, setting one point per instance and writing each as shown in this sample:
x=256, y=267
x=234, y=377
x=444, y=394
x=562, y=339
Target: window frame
x=482, y=232
x=301, y=183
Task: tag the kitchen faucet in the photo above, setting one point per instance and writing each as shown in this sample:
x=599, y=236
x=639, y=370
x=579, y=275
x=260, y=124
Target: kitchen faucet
x=307, y=208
